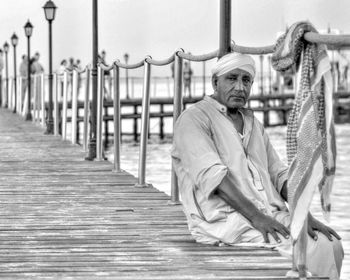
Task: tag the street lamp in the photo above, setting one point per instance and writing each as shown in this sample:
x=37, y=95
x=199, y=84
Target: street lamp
x=50, y=12
x=6, y=49
x=126, y=58
x=14, y=42
x=28, y=30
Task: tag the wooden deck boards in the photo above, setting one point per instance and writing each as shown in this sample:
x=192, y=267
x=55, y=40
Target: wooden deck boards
x=65, y=218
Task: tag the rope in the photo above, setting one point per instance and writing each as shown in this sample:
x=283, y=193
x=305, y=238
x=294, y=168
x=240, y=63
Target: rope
x=202, y=57
x=128, y=66
x=160, y=62
x=332, y=41
x=253, y=50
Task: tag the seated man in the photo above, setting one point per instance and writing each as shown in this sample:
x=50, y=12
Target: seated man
x=232, y=182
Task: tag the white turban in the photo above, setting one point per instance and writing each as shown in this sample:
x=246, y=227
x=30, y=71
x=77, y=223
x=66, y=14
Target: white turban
x=232, y=61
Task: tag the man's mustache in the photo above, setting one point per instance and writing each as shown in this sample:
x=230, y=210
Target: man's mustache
x=240, y=94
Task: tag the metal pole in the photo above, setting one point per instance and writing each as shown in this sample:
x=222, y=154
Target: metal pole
x=10, y=103
x=204, y=81
x=6, y=79
x=126, y=57
x=20, y=109
x=35, y=99
x=261, y=74
x=225, y=27
x=127, y=83
x=74, y=107
x=178, y=106
x=117, y=119
x=49, y=121
x=64, y=105
x=55, y=104
x=29, y=113
x=270, y=74
x=15, y=78
x=42, y=96
x=144, y=126
x=92, y=143
x=100, y=79
x=86, y=110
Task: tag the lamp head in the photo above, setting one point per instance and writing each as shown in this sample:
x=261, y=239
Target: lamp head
x=6, y=47
x=50, y=10
x=28, y=29
x=14, y=39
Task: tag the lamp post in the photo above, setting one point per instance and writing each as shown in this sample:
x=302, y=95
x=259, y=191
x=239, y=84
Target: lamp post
x=126, y=58
x=28, y=30
x=50, y=12
x=6, y=49
x=92, y=142
x=14, y=42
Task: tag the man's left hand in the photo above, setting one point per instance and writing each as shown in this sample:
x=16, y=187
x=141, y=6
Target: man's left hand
x=315, y=225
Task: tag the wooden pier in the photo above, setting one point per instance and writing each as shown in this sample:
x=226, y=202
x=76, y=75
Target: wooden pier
x=65, y=218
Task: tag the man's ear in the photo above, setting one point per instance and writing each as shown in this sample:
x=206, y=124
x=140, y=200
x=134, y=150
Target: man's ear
x=214, y=82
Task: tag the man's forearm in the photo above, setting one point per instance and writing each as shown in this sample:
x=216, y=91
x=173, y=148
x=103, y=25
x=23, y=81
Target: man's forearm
x=236, y=199
x=229, y=192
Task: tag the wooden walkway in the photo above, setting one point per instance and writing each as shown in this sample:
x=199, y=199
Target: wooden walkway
x=65, y=218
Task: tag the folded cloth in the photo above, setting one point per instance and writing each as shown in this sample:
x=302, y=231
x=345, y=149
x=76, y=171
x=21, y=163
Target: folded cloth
x=311, y=149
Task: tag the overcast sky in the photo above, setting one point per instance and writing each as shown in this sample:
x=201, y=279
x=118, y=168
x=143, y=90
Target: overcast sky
x=158, y=27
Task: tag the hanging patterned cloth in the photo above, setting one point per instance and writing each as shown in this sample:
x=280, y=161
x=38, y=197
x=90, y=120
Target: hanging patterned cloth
x=311, y=149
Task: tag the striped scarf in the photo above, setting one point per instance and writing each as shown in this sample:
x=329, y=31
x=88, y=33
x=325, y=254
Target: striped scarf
x=311, y=150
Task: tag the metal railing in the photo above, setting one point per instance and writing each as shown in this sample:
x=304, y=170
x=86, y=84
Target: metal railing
x=70, y=78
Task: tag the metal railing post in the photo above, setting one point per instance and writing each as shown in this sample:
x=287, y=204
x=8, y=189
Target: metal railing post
x=225, y=28
x=18, y=90
x=144, y=125
x=42, y=95
x=20, y=109
x=203, y=79
x=178, y=106
x=86, y=111
x=35, y=98
x=64, y=105
x=117, y=119
x=155, y=87
x=99, y=145
x=10, y=103
x=74, y=107
x=55, y=104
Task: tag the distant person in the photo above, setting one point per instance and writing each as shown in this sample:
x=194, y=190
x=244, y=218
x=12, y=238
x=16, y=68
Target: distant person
x=1, y=68
x=107, y=76
x=79, y=68
x=23, y=73
x=36, y=66
x=36, y=69
x=70, y=67
x=61, y=70
x=63, y=66
x=187, y=74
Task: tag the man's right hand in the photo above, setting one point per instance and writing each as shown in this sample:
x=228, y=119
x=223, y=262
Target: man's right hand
x=265, y=224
